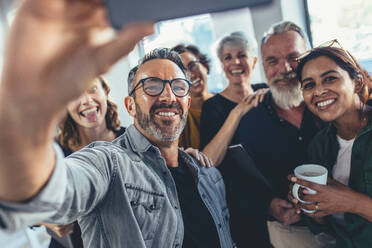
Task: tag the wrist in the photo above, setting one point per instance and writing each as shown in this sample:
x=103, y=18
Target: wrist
x=357, y=203
x=237, y=112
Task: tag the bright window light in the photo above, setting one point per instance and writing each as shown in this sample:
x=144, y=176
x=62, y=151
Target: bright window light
x=348, y=21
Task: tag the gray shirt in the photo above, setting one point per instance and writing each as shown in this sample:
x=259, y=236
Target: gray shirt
x=122, y=194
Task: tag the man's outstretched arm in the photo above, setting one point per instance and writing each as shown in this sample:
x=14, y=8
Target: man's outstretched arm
x=53, y=52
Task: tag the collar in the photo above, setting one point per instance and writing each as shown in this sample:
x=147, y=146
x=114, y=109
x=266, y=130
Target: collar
x=137, y=141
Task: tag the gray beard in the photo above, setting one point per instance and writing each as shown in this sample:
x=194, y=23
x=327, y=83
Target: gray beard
x=287, y=97
x=166, y=132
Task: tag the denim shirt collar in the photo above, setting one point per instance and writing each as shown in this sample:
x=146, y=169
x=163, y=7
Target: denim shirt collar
x=140, y=144
x=137, y=141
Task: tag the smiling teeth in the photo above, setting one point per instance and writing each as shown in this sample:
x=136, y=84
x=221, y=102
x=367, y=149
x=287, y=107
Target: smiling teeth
x=166, y=113
x=325, y=103
x=196, y=82
x=237, y=71
x=89, y=111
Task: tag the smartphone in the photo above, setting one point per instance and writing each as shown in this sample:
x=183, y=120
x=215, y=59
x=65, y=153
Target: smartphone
x=122, y=12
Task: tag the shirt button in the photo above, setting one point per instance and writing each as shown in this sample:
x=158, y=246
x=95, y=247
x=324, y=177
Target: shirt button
x=219, y=225
x=300, y=138
x=175, y=207
x=177, y=245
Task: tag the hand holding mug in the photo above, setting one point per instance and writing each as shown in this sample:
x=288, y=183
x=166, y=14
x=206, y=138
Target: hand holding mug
x=312, y=173
x=329, y=199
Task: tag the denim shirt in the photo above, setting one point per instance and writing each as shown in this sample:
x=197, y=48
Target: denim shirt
x=122, y=195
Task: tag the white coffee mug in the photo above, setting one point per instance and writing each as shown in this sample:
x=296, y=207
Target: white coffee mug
x=312, y=173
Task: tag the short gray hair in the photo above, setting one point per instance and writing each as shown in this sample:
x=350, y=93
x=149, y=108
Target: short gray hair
x=282, y=27
x=158, y=53
x=239, y=40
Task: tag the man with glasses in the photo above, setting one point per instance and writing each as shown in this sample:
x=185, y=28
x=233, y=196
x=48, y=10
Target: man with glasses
x=141, y=190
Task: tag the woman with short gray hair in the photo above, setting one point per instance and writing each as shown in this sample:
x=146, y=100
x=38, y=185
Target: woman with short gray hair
x=221, y=114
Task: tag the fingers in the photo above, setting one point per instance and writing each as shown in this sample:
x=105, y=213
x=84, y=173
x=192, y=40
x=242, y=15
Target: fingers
x=197, y=155
x=294, y=201
x=64, y=231
x=61, y=230
x=203, y=159
x=110, y=52
x=285, y=204
x=290, y=217
x=310, y=206
x=290, y=177
x=305, y=183
x=206, y=160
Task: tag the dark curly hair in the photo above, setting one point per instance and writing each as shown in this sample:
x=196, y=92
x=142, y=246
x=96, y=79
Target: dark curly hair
x=180, y=48
x=345, y=61
x=68, y=135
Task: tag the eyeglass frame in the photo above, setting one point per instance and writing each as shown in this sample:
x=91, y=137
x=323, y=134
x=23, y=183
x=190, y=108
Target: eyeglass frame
x=141, y=81
x=332, y=42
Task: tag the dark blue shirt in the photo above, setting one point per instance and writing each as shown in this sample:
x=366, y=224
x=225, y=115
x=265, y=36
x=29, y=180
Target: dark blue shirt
x=275, y=145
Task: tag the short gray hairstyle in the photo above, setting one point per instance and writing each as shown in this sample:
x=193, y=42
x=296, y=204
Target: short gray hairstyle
x=239, y=40
x=158, y=53
x=282, y=27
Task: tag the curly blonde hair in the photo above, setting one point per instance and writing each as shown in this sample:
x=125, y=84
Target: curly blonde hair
x=68, y=135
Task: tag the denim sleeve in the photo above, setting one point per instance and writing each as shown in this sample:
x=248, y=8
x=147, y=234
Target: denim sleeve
x=76, y=186
x=14, y=216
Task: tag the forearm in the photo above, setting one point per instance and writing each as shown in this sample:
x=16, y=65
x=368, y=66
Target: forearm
x=26, y=154
x=216, y=149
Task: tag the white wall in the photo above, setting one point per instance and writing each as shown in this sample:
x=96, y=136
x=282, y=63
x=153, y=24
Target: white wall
x=236, y=20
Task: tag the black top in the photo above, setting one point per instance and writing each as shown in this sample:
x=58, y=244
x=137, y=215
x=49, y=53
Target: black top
x=214, y=113
x=277, y=147
x=200, y=229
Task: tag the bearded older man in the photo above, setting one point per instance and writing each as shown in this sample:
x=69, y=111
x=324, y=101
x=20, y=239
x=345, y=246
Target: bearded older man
x=278, y=131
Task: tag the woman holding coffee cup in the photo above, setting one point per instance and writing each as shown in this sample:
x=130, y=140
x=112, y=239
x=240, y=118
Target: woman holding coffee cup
x=335, y=88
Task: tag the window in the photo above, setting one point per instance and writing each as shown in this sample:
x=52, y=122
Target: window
x=348, y=21
x=196, y=30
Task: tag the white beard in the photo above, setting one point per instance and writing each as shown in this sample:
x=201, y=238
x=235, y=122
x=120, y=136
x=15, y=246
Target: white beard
x=287, y=97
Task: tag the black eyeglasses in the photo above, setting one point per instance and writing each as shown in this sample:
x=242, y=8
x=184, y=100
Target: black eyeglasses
x=154, y=86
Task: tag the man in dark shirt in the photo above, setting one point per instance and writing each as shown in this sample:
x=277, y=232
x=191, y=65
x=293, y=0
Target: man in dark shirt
x=278, y=131
x=200, y=230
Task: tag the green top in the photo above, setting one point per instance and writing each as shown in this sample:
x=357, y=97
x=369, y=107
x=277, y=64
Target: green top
x=323, y=150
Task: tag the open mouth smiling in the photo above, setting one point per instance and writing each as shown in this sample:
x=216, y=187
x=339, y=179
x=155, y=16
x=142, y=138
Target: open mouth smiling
x=237, y=72
x=324, y=104
x=89, y=111
x=166, y=113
